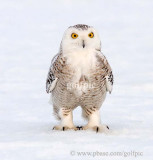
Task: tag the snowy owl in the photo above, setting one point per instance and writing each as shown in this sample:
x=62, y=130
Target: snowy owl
x=79, y=75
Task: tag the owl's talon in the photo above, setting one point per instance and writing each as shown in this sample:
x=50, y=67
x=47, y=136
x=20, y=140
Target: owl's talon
x=97, y=129
x=79, y=127
x=64, y=128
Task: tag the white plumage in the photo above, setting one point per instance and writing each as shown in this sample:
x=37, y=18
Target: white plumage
x=79, y=76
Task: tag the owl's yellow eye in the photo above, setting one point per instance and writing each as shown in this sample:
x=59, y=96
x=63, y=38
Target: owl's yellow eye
x=91, y=35
x=74, y=35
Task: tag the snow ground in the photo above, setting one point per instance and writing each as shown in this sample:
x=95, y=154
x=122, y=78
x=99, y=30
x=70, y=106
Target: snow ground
x=30, y=34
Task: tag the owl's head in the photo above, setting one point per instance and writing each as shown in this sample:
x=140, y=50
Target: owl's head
x=80, y=37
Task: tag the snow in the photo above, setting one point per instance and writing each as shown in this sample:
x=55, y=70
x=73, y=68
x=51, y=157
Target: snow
x=30, y=33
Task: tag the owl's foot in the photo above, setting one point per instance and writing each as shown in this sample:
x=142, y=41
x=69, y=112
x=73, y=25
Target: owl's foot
x=79, y=127
x=64, y=128
x=100, y=128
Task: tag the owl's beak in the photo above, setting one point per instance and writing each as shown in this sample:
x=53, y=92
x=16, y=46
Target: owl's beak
x=83, y=44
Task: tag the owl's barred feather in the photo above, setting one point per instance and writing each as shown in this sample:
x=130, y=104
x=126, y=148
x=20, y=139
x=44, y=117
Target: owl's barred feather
x=79, y=76
x=51, y=80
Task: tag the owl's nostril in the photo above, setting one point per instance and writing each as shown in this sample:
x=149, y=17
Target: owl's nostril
x=83, y=44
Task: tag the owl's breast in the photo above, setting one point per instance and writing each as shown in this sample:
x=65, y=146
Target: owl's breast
x=81, y=75
x=89, y=83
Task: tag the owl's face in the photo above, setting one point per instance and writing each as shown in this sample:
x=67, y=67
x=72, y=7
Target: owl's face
x=80, y=38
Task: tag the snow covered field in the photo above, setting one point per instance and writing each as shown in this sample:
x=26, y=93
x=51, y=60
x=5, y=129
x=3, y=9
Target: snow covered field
x=30, y=34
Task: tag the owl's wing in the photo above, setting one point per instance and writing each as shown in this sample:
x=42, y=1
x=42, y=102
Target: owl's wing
x=109, y=82
x=108, y=72
x=51, y=78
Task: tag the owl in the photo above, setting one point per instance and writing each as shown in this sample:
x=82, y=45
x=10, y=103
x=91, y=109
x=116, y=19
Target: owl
x=79, y=75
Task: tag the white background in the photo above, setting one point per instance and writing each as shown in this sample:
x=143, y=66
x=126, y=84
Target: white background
x=30, y=35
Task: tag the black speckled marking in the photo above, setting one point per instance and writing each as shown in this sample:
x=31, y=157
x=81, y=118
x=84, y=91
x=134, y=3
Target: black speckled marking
x=80, y=26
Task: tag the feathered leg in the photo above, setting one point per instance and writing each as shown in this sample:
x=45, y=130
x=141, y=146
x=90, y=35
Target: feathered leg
x=66, y=117
x=94, y=121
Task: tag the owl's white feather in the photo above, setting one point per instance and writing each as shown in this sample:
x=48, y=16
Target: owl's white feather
x=109, y=85
x=81, y=59
x=81, y=62
x=53, y=84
